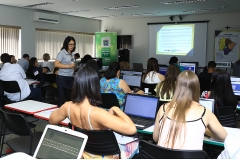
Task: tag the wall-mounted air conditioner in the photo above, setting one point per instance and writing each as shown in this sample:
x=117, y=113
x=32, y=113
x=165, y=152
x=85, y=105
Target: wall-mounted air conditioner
x=45, y=17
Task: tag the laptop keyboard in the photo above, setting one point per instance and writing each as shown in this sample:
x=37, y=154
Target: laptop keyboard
x=141, y=123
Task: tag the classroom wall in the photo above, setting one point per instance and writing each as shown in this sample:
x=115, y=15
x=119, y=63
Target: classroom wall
x=139, y=29
x=15, y=16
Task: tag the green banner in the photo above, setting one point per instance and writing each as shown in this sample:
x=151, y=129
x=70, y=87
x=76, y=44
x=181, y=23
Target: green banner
x=106, y=46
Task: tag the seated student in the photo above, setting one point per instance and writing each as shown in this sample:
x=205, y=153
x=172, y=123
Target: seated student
x=124, y=66
x=14, y=72
x=221, y=89
x=94, y=65
x=205, y=77
x=35, y=72
x=24, y=62
x=111, y=83
x=86, y=58
x=76, y=56
x=174, y=60
x=181, y=124
x=13, y=60
x=152, y=75
x=46, y=64
x=83, y=112
x=166, y=88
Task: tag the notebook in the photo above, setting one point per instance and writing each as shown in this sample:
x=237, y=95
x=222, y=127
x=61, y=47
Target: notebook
x=207, y=103
x=60, y=143
x=138, y=67
x=141, y=109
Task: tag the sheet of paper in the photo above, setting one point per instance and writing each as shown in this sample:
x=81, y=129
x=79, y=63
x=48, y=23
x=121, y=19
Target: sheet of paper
x=149, y=129
x=124, y=139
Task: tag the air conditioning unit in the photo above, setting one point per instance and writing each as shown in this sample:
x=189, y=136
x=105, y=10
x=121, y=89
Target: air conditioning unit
x=45, y=17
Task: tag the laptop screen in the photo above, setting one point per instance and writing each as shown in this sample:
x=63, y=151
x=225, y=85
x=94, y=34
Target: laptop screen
x=236, y=86
x=188, y=66
x=207, y=103
x=132, y=78
x=59, y=145
x=163, y=70
x=138, y=67
x=141, y=106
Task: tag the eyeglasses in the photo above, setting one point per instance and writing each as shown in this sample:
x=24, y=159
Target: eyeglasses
x=71, y=44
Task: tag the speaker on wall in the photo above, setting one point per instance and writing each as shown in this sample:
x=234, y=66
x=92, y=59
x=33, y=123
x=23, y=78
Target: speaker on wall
x=124, y=55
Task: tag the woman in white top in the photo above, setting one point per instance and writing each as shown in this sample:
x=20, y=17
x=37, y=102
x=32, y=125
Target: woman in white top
x=181, y=124
x=152, y=75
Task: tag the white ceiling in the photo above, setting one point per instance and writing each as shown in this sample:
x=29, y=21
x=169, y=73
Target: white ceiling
x=97, y=7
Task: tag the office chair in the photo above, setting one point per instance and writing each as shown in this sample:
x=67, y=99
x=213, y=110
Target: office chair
x=67, y=93
x=17, y=124
x=48, y=78
x=226, y=116
x=10, y=87
x=109, y=100
x=150, y=86
x=148, y=150
x=100, y=142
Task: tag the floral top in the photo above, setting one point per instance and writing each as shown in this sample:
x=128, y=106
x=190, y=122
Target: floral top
x=112, y=86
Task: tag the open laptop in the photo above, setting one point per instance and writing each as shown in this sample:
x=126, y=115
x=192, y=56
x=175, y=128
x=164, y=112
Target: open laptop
x=138, y=67
x=236, y=88
x=132, y=78
x=163, y=69
x=60, y=143
x=141, y=109
x=207, y=103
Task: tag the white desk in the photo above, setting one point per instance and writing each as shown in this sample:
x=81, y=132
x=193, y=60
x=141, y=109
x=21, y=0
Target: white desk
x=46, y=114
x=30, y=106
x=31, y=81
x=18, y=155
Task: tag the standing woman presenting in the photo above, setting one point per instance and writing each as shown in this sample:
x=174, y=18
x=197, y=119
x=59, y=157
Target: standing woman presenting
x=64, y=62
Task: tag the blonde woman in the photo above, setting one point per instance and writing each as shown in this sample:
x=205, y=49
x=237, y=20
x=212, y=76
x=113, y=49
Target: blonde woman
x=182, y=123
x=46, y=64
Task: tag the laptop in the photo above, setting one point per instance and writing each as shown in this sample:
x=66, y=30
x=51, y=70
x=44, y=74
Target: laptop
x=60, y=143
x=207, y=103
x=163, y=69
x=132, y=78
x=141, y=109
x=138, y=67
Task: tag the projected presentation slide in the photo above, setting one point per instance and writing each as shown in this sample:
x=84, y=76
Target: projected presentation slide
x=175, y=40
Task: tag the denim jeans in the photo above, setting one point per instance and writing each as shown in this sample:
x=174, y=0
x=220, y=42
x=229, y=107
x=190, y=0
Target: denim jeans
x=63, y=81
x=35, y=94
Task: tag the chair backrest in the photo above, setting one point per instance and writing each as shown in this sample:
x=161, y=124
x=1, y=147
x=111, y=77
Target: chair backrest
x=101, y=142
x=226, y=115
x=148, y=150
x=10, y=87
x=50, y=78
x=109, y=100
x=16, y=123
x=150, y=86
x=67, y=93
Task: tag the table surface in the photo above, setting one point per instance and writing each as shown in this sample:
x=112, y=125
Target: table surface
x=17, y=155
x=206, y=140
x=30, y=106
x=46, y=114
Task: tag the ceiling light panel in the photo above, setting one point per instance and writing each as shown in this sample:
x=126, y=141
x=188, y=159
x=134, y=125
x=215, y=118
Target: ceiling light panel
x=39, y=5
x=203, y=10
x=181, y=2
x=122, y=7
x=111, y=16
x=72, y=12
x=146, y=14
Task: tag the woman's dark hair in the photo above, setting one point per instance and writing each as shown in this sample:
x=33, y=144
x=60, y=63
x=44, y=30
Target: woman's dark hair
x=173, y=60
x=112, y=70
x=86, y=58
x=221, y=89
x=77, y=55
x=94, y=65
x=152, y=65
x=30, y=68
x=168, y=85
x=66, y=42
x=86, y=84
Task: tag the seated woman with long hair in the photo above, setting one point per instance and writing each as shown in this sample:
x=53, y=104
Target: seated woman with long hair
x=83, y=112
x=111, y=83
x=221, y=89
x=152, y=75
x=181, y=123
x=166, y=88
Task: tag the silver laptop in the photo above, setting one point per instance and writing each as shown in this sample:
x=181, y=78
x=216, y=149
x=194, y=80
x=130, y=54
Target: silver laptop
x=138, y=67
x=207, y=103
x=141, y=109
x=60, y=143
x=132, y=78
